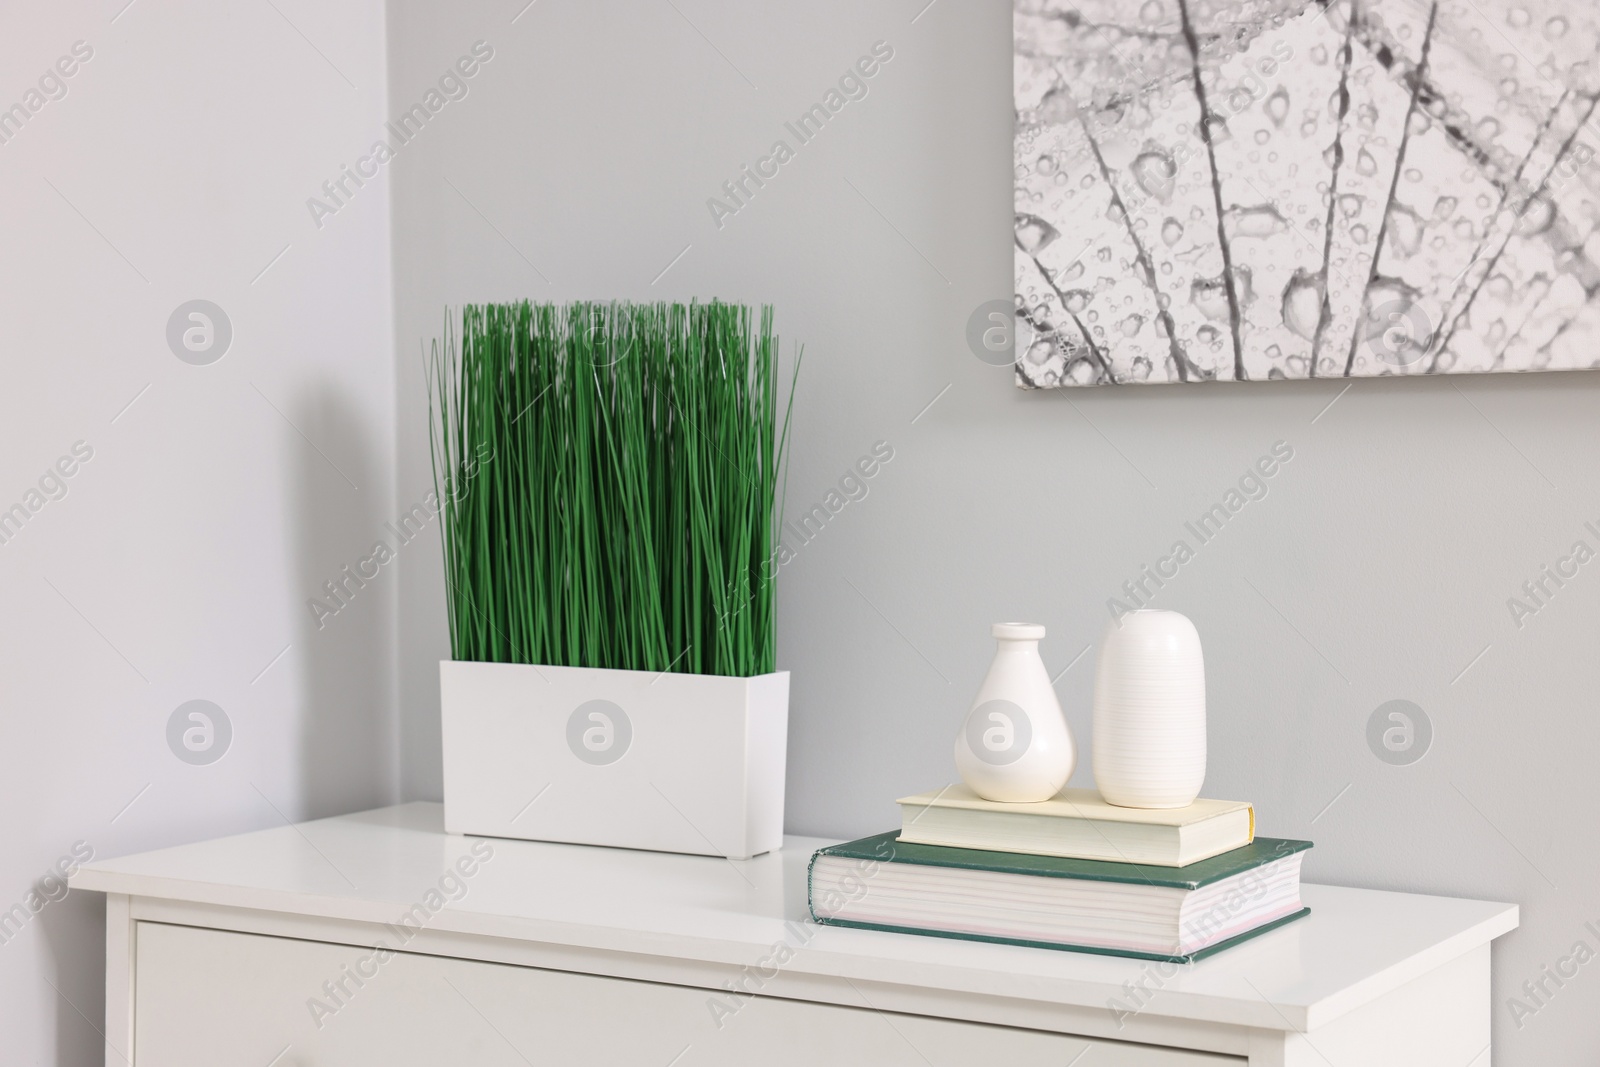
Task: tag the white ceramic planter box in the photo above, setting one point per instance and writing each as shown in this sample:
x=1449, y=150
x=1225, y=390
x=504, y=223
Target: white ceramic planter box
x=635, y=759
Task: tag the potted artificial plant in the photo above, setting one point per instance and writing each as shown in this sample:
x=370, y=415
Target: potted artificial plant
x=607, y=476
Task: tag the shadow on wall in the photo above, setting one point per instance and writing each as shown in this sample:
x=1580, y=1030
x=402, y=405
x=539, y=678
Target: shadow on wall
x=344, y=718
x=344, y=601
x=74, y=932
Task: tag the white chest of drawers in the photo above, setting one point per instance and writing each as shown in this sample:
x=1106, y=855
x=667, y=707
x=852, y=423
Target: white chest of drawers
x=378, y=940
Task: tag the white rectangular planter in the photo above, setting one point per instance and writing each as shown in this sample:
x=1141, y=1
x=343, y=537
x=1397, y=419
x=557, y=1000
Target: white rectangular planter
x=636, y=759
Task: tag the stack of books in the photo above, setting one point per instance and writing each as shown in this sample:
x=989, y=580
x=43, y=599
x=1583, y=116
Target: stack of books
x=1072, y=872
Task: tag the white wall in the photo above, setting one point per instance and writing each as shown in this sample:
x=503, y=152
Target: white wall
x=179, y=562
x=1378, y=567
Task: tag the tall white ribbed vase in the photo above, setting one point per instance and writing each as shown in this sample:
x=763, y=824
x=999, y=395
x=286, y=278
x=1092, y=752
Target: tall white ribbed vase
x=1150, y=711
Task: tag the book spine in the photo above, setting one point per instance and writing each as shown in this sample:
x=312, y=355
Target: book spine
x=811, y=867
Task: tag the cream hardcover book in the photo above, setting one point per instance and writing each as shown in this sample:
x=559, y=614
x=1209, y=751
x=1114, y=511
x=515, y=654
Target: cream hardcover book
x=1078, y=824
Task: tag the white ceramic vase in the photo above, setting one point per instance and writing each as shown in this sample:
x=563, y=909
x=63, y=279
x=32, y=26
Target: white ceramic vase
x=1014, y=745
x=1150, y=711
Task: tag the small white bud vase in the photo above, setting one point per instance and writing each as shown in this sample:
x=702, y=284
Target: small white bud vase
x=1150, y=711
x=1014, y=746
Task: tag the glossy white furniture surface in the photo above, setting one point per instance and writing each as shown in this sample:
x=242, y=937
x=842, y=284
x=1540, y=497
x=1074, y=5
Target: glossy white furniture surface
x=218, y=953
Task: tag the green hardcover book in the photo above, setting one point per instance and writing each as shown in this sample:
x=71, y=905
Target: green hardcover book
x=1179, y=914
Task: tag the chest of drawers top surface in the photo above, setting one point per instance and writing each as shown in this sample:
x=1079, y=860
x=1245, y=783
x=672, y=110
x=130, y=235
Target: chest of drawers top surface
x=384, y=865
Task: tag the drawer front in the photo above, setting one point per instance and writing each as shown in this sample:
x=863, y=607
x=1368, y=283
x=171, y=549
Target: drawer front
x=211, y=998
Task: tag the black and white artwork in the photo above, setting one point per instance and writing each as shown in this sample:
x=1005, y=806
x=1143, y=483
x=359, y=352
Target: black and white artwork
x=1262, y=189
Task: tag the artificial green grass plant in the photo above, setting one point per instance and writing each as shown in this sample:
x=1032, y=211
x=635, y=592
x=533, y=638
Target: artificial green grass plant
x=607, y=476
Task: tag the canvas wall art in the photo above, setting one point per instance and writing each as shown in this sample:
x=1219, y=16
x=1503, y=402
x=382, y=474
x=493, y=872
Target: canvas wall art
x=1266, y=189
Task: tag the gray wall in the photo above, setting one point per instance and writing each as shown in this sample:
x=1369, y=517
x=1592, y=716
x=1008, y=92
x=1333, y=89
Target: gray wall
x=1378, y=566
x=178, y=563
